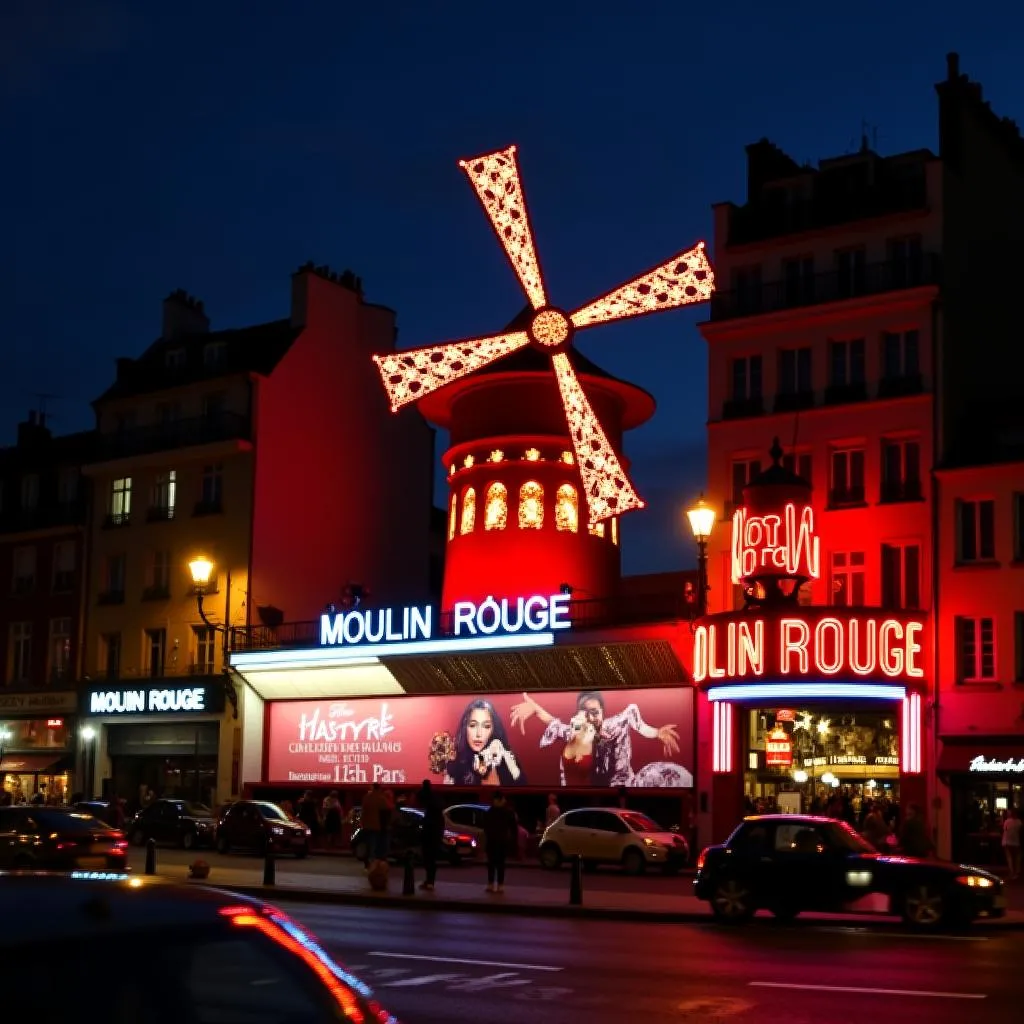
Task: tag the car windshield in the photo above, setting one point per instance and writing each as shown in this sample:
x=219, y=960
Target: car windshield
x=640, y=822
x=273, y=812
x=847, y=838
x=196, y=810
x=67, y=821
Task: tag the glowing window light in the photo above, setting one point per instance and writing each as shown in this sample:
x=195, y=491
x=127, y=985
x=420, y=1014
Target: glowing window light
x=496, y=507
x=468, y=511
x=451, y=469
x=809, y=691
x=453, y=512
x=596, y=529
x=567, y=458
x=567, y=509
x=531, y=455
x=615, y=531
x=496, y=456
x=468, y=461
x=531, y=506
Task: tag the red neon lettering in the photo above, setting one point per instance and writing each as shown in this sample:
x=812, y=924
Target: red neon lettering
x=835, y=627
x=890, y=656
x=790, y=644
x=759, y=543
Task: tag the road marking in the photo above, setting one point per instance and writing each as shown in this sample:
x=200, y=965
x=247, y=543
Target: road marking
x=869, y=991
x=459, y=960
x=426, y=979
x=853, y=930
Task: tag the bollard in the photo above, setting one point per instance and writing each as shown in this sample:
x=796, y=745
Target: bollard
x=269, y=867
x=409, y=881
x=576, y=882
x=151, y=857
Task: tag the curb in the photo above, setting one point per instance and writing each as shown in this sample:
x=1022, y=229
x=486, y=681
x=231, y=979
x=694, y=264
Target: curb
x=423, y=903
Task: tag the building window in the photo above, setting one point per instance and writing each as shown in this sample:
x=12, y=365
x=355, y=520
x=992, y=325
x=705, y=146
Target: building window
x=64, y=566
x=1018, y=527
x=795, y=371
x=156, y=651
x=850, y=265
x=900, y=355
x=211, y=493
x=23, y=577
x=468, y=511
x=615, y=532
x=120, y=508
x=67, y=486
x=215, y=355
x=174, y=358
x=20, y=659
x=496, y=507
x=975, y=650
x=848, y=579
x=124, y=421
x=798, y=280
x=158, y=575
x=976, y=531
x=743, y=471
x=110, y=655
x=453, y=512
x=847, y=484
x=1018, y=633
x=905, y=260
x=746, y=283
x=60, y=649
x=901, y=576
x=205, y=646
x=901, y=470
x=567, y=509
x=30, y=491
x=531, y=506
x=746, y=379
x=213, y=407
x=167, y=415
x=165, y=493
x=798, y=463
x=113, y=579
x=846, y=363
x=596, y=529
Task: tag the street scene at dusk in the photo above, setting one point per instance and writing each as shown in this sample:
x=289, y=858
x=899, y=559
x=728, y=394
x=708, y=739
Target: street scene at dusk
x=511, y=514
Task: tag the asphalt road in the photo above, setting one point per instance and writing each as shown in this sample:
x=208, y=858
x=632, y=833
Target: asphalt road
x=444, y=967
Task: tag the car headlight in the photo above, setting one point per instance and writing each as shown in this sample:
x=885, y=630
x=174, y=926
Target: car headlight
x=654, y=843
x=277, y=830
x=976, y=881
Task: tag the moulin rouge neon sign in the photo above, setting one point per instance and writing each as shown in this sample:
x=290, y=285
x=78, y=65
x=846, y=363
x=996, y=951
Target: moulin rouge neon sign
x=775, y=545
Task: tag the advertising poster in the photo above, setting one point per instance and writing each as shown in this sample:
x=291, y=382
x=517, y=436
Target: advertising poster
x=601, y=738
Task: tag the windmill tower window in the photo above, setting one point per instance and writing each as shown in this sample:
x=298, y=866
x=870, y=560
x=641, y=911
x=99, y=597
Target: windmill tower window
x=496, y=507
x=531, y=506
x=567, y=509
x=468, y=511
x=453, y=512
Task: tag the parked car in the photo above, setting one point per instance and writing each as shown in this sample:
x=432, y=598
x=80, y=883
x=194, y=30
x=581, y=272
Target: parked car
x=469, y=818
x=406, y=834
x=258, y=825
x=789, y=863
x=169, y=820
x=612, y=835
x=59, y=839
x=231, y=958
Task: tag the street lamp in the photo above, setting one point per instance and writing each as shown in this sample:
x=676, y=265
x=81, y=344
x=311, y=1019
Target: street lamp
x=201, y=570
x=702, y=522
x=88, y=734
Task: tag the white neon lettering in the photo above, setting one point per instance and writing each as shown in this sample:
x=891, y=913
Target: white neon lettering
x=559, y=605
x=465, y=612
x=700, y=654
x=890, y=654
x=787, y=544
x=353, y=628
x=983, y=764
x=835, y=627
x=866, y=665
x=752, y=648
x=913, y=667
x=794, y=636
x=715, y=671
x=539, y=621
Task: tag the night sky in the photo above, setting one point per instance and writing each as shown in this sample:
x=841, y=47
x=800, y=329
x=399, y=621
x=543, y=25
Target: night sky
x=215, y=146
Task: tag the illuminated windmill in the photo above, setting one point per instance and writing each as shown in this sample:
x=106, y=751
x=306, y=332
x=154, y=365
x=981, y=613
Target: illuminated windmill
x=685, y=278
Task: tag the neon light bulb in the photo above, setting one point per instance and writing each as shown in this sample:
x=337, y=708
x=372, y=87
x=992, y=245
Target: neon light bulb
x=798, y=691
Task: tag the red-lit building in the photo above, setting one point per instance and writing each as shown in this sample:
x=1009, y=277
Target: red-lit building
x=867, y=316
x=43, y=516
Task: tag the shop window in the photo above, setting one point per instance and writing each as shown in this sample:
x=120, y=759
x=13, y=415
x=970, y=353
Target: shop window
x=846, y=486
x=453, y=512
x=205, y=649
x=468, y=511
x=119, y=508
x=155, y=652
x=60, y=649
x=19, y=661
x=743, y=471
x=110, y=655
x=975, y=650
x=901, y=576
x=847, y=579
x=23, y=576
x=496, y=507
x=976, y=531
x=567, y=509
x=531, y=506
x=64, y=566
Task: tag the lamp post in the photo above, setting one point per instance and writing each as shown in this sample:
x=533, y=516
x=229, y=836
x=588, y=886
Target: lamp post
x=88, y=734
x=702, y=522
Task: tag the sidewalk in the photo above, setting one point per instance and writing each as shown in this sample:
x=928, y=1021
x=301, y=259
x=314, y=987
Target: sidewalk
x=524, y=900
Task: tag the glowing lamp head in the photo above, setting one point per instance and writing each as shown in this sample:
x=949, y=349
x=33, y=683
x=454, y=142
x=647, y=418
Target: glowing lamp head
x=201, y=569
x=550, y=329
x=702, y=519
x=88, y=734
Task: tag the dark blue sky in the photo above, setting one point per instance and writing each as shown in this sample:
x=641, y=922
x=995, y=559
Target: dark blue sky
x=215, y=146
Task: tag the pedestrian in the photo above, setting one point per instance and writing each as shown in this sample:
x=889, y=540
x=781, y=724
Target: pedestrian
x=552, y=812
x=309, y=814
x=372, y=811
x=433, y=832
x=914, y=840
x=1011, y=842
x=332, y=819
x=500, y=833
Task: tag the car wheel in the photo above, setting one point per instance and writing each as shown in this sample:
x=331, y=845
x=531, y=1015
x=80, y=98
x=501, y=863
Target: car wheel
x=222, y=844
x=360, y=852
x=924, y=906
x=188, y=840
x=550, y=857
x=138, y=837
x=633, y=862
x=732, y=901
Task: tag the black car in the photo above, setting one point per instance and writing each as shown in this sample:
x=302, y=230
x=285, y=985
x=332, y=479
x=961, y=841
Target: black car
x=406, y=834
x=258, y=826
x=231, y=958
x=788, y=863
x=59, y=839
x=168, y=820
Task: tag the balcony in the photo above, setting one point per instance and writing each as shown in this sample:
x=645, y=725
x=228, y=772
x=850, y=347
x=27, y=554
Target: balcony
x=840, y=394
x=829, y=286
x=794, y=401
x=893, y=491
x=897, y=387
x=208, y=508
x=159, y=513
x=740, y=408
x=846, y=496
x=223, y=426
x=111, y=597
x=115, y=520
x=42, y=516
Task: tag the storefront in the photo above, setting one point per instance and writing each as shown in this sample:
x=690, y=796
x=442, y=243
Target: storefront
x=37, y=733
x=175, y=740
x=985, y=778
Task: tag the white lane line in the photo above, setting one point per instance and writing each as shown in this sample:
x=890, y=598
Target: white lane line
x=459, y=960
x=870, y=991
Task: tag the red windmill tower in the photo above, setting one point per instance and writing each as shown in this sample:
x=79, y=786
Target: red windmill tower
x=525, y=441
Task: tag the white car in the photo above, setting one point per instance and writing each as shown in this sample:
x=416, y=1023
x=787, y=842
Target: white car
x=611, y=835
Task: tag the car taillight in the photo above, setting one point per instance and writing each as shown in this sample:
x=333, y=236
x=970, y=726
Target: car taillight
x=702, y=858
x=121, y=844
x=462, y=838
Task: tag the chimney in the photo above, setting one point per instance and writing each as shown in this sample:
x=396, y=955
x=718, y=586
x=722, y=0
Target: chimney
x=183, y=315
x=34, y=431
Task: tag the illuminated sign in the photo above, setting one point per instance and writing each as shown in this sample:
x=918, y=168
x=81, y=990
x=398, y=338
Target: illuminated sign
x=983, y=764
x=775, y=545
x=505, y=617
x=778, y=749
x=156, y=700
x=54, y=723
x=739, y=645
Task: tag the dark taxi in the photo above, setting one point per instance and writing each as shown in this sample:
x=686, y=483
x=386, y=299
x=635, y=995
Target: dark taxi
x=790, y=863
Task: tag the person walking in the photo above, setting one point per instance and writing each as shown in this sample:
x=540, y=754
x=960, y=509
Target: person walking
x=1011, y=842
x=552, y=812
x=373, y=811
x=433, y=832
x=500, y=832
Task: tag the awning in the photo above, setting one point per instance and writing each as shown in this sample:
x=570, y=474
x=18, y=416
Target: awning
x=28, y=764
x=981, y=759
